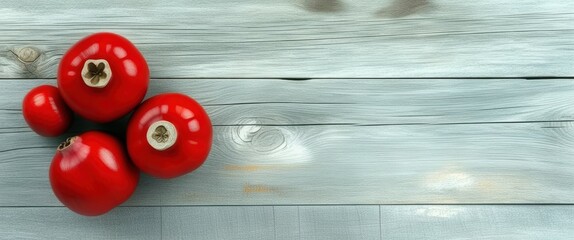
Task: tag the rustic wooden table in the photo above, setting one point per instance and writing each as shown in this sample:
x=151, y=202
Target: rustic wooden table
x=364, y=119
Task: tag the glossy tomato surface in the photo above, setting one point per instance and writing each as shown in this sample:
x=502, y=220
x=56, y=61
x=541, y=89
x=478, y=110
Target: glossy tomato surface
x=46, y=112
x=126, y=88
x=194, y=135
x=91, y=174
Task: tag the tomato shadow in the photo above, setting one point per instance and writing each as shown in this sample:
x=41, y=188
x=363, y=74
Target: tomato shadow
x=115, y=128
x=145, y=193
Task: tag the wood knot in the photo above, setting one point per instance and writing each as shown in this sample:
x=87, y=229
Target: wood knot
x=246, y=131
x=268, y=140
x=255, y=141
x=260, y=138
x=26, y=55
x=29, y=62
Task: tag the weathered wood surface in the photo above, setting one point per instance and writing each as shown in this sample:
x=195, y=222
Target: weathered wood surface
x=492, y=222
x=343, y=140
x=61, y=223
x=295, y=222
x=303, y=38
x=272, y=222
x=253, y=222
x=360, y=141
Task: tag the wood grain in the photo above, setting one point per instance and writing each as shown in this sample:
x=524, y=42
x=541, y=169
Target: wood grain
x=61, y=223
x=477, y=222
x=295, y=222
x=302, y=39
x=339, y=222
x=277, y=222
x=287, y=222
x=487, y=137
x=352, y=101
x=247, y=223
x=445, y=141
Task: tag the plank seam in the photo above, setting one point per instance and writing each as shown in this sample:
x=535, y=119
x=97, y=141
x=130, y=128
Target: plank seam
x=160, y=78
x=380, y=224
x=324, y=205
x=393, y=124
x=160, y=223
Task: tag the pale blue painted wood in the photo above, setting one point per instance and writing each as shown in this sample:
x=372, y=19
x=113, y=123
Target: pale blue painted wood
x=268, y=222
x=339, y=222
x=441, y=141
x=249, y=223
x=287, y=222
x=327, y=222
x=503, y=222
x=289, y=38
x=295, y=222
x=61, y=223
x=342, y=141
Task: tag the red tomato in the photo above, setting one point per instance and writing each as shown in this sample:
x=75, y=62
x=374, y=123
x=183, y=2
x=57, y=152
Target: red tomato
x=169, y=135
x=91, y=174
x=46, y=112
x=103, y=77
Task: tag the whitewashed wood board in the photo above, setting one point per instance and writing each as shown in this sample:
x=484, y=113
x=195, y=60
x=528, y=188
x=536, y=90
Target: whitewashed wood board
x=383, y=141
x=61, y=223
x=291, y=39
x=272, y=222
x=295, y=222
x=343, y=140
x=492, y=222
x=246, y=222
x=245, y=102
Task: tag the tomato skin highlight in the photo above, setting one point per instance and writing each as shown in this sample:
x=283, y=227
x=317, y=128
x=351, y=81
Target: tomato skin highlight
x=98, y=58
x=91, y=174
x=186, y=119
x=45, y=111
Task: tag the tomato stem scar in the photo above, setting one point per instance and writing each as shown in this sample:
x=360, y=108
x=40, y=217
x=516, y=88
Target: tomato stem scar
x=96, y=73
x=161, y=135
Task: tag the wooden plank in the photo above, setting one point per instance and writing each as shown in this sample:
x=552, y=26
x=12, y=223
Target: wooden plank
x=493, y=141
x=375, y=101
x=477, y=222
x=254, y=222
x=339, y=222
x=351, y=101
x=303, y=39
x=295, y=222
x=61, y=223
x=287, y=222
x=483, y=163
x=271, y=222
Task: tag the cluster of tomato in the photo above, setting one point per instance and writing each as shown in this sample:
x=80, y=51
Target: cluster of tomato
x=102, y=78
